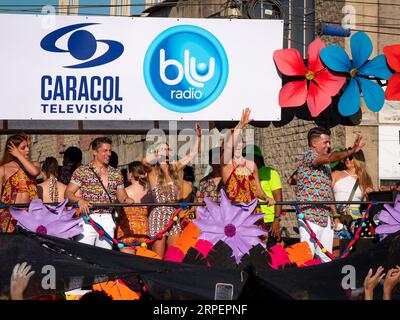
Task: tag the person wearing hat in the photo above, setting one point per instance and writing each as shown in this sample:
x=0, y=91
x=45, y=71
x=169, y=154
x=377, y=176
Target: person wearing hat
x=271, y=184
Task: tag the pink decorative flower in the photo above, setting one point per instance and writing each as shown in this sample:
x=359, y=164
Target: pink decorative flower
x=319, y=84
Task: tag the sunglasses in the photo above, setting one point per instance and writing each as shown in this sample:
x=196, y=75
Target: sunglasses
x=349, y=158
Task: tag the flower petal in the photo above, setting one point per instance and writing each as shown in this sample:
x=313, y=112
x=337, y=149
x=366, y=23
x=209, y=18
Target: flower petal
x=392, y=54
x=314, y=61
x=387, y=229
x=251, y=231
x=329, y=82
x=361, y=48
x=349, y=102
x=374, y=96
x=387, y=218
x=289, y=62
x=317, y=99
x=252, y=219
x=393, y=212
x=393, y=88
x=293, y=94
x=377, y=67
x=335, y=58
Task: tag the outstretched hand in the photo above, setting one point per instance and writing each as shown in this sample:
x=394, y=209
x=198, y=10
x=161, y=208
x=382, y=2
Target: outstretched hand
x=198, y=129
x=371, y=281
x=358, y=144
x=391, y=280
x=245, y=119
x=19, y=280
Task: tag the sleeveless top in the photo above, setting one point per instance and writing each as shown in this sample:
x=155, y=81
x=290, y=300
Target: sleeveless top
x=241, y=187
x=53, y=189
x=19, y=182
x=343, y=187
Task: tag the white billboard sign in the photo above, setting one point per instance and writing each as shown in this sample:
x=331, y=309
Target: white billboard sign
x=119, y=68
x=389, y=152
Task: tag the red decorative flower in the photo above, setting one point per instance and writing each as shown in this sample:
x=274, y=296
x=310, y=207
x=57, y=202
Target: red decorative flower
x=319, y=84
x=392, y=54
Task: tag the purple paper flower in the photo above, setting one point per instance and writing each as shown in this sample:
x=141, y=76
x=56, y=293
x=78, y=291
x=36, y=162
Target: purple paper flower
x=389, y=219
x=233, y=224
x=53, y=221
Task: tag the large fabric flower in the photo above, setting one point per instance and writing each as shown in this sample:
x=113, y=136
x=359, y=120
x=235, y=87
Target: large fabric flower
x=359, y=70
x=319, y=84
x=54, y=221
x=389, y=219
x=233, y=224
x=392, y=54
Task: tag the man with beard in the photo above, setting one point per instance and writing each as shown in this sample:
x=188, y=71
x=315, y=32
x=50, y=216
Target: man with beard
x=314, y=183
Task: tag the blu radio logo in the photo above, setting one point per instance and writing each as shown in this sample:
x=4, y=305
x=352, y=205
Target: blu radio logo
x=185, y=68
x=82, y=45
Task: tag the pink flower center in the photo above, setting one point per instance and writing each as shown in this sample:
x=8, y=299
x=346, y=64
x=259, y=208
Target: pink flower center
x=41, y=229
x=309, y=75
x=230, y=230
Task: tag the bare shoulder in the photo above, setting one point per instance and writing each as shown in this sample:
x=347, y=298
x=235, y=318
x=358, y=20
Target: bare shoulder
x=36, y=164
x=61, y=186
x=251, y=165
x=338, y=175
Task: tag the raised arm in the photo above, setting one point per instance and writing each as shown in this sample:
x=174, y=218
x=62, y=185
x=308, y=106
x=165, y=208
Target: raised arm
x=150, y=159
x=340, y=155
x=194, y=150
x=31, y=167
x=237, y=132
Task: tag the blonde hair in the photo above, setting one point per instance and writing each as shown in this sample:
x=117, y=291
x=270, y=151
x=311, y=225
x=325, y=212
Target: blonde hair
x=364, y=178
x=177, y=177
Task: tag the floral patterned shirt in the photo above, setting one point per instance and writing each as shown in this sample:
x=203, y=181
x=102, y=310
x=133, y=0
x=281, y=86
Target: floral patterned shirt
x=90, y=186
x=208, y=189
x=314, y=184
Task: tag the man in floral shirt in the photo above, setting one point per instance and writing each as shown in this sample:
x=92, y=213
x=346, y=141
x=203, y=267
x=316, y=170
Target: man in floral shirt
x=87, y=179
x=314, y=183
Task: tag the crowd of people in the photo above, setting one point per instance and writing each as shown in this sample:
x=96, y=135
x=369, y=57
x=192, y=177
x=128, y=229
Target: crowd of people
x=157, y=179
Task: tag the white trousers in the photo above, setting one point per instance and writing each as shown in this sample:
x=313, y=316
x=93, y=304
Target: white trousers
x=324, y=235
x=90, y=235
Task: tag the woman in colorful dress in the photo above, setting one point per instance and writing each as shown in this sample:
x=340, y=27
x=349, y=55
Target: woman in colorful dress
x=51, y=190
x=134, y=224
x=211, y=185
x=240, y=175
x=17, y=177
x=165, y=177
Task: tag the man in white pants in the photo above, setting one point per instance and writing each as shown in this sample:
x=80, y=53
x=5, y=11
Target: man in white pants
x=98, y=183
x=314, y=183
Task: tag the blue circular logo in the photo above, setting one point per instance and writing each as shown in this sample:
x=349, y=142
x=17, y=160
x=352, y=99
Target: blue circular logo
x=185, y=68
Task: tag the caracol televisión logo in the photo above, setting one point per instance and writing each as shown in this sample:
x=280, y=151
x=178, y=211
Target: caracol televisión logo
x=185, y=68
x=82, y=45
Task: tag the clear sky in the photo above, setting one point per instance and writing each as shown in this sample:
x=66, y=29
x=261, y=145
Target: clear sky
x=35, y=6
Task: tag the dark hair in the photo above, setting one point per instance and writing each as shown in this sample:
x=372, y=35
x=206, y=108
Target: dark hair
x=50, y=166
x=137, y=170
x=16, y=139
x=188, y=174
x=316, y=133
x=96, y=143
x=72, y=155
x=113, y=160
x=96, y=296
